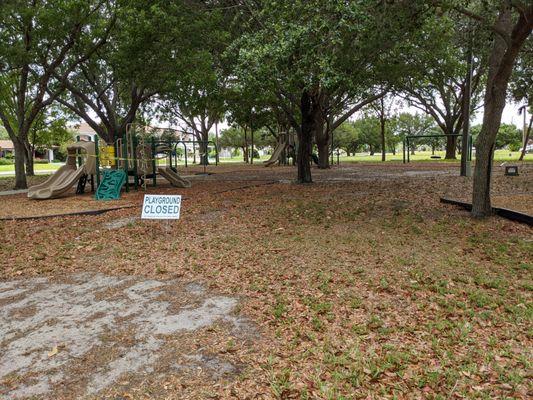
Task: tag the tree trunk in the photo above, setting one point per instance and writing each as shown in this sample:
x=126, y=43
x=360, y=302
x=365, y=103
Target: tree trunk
x=245, y=148
x=305, y=137
x=322, y=139
x=323, y=156
x=29, y=154
x=20, y=173
x=501, y=62
x=383, y=148
x=203, y=147
x=451, y=146
x=526, y=139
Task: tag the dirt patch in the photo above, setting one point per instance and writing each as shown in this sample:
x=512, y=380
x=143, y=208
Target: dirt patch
x=71, y=325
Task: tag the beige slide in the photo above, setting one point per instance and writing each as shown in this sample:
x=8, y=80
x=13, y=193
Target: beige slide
x=69, y=174
x=173, y=177
x=274, y=158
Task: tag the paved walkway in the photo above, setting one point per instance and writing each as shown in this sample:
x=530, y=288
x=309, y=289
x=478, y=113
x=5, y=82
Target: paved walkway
x=10, y=192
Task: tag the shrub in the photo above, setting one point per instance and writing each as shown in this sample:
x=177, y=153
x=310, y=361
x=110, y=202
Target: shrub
x=515, y=146
x=6, y=161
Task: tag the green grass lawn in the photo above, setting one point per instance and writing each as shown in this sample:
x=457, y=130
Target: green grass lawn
x=37, y=167
x=499, y=155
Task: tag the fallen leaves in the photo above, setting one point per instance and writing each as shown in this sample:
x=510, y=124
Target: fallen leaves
x=53, y=352
x=361, y=290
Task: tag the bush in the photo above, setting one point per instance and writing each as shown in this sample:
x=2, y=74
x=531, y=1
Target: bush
x=514, y=146
x=60, y=154
x=40, y=161
x=6, y=161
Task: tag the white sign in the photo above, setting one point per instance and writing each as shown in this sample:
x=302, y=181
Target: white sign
x=157, y=206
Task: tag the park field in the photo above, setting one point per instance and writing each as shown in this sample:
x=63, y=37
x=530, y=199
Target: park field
x=499, y=156
x=361, y=285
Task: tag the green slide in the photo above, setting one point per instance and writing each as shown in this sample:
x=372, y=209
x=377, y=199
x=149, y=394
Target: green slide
x=112, y=182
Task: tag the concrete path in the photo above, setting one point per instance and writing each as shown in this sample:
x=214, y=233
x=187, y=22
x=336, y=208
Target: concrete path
x=11, y=192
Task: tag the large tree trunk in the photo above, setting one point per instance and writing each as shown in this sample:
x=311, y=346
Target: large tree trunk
x=501, y=62
x=203, y=146
x=451, y=147
x=305, y=137
x=20, y=173
x=322, y=139
x=526, y=139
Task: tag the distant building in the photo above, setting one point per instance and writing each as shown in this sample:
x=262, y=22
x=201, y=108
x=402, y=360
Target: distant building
x=85, y=132
x=6, y=148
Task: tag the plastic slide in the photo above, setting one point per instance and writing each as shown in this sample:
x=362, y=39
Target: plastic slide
x=112, y=182
x=275, y=155
x=62, y=181
x=68, y=175
x=174, y=179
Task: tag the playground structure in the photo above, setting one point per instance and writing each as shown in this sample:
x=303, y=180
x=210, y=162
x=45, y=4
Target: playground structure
x=285, y=148
x=140, y=155
x=80, y=163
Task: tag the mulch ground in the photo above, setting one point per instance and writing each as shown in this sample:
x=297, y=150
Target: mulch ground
x=363, y=285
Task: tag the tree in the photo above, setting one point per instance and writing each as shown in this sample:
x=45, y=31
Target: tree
x=511, y=28
x=305, y=52
x=382, y=108
x=346, y=137
x=508, y=136
x=368, y=130
x=407, y=124
x=196, y=98
x=37, y=39
x=49, y=129
x=3, y=133
x=522, y=90
x=438, y=88
x=137, y=62
x=237, y=137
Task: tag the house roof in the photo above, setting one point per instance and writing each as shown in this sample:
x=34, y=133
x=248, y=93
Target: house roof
x=6, y=145
x=84, y=128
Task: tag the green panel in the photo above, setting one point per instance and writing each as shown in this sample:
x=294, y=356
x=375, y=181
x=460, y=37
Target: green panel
x=112, y=182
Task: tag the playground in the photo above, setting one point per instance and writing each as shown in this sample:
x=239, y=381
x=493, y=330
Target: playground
x=217, y=305
x=256, y=200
